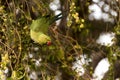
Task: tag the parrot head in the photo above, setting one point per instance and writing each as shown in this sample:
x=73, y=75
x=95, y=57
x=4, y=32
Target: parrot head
x=40, y=38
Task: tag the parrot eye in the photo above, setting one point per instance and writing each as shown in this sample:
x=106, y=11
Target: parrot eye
x=49, y=43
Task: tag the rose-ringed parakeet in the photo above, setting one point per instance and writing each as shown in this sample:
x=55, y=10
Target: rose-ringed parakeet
x=39, y=29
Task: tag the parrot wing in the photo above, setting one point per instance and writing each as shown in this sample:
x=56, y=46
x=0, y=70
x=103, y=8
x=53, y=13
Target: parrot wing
x=40, y=25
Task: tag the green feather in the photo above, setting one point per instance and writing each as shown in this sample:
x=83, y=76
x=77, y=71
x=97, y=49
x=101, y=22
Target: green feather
x=40, y=25
x=39, y=37
x=39, y=28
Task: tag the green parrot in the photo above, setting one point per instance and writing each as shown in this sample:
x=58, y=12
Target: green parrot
x=39, y=29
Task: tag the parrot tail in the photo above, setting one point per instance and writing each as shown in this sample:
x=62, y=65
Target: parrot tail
x=57, y=17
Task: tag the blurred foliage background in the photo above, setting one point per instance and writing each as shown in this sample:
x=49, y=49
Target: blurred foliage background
x=75, y=35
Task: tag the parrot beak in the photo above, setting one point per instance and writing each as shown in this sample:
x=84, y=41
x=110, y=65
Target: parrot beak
x=49, y=43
